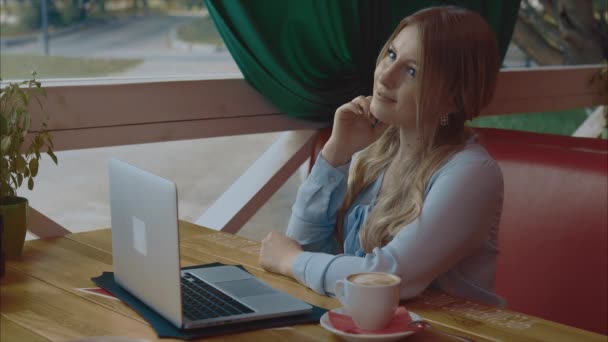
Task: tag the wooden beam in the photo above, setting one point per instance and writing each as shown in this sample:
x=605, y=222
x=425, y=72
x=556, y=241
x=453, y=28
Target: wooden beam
x=254, y=187
x=42, y=226
x=593, y=126
x=79, y=138
x=546, y=89
x=102, y=113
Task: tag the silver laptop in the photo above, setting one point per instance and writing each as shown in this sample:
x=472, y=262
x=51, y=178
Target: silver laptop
x=145, y=246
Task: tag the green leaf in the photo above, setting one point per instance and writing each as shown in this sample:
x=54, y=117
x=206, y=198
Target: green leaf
x=49, y=140
x=25, y=99
x=4, y=170
x=5, y=145
x=27, y=121
x=52, y=155
x=19, y=179
x=30, y=183
x=13, y=117
x=34, y=167
x=38, y=142
x=21, y=163
x=3, y=126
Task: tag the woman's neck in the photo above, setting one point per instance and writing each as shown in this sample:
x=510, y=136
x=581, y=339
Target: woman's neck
x=409, y=142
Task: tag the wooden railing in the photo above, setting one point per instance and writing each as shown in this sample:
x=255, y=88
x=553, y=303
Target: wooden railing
x=110, y=112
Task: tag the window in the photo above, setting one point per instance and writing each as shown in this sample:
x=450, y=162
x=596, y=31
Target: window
x=167, y=39
x=116, y=38
x=559, y=33
x=545, y=35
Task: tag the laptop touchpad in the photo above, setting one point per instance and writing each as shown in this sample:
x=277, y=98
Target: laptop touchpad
x=245, y=288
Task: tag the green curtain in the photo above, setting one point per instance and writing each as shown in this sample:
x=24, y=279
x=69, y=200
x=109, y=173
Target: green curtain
x=310, y=56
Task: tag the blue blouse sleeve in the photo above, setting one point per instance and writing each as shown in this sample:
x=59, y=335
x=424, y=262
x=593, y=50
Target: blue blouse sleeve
x=314, y=214
x=457, y=215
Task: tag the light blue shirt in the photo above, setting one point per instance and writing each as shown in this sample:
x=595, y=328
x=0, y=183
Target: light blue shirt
x=451, y=246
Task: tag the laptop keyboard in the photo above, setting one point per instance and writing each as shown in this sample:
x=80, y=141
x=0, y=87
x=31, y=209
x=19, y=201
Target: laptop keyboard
x=201, y=300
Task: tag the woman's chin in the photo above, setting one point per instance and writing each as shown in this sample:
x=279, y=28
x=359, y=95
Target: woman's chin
x=377, y=111
x=375, y=108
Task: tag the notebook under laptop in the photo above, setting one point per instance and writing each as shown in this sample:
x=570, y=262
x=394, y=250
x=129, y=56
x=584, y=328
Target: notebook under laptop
x=145, y=247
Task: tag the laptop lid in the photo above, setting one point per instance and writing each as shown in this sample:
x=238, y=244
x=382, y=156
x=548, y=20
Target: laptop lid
x=145, y=238
x=145, y=243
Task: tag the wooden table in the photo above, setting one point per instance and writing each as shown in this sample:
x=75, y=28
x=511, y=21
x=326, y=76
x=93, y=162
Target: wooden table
x=40, y=300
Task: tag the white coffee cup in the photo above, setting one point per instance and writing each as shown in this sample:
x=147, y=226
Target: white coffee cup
x=370, y=298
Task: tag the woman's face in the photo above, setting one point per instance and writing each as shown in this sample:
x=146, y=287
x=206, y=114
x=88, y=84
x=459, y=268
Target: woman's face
x=393, y=100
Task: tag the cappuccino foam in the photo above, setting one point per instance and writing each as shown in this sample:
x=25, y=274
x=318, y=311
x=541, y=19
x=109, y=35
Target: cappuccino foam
x=373, y=279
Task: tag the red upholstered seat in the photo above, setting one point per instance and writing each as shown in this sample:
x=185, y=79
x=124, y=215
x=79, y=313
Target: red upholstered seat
x=554, y=228
x=553, y=234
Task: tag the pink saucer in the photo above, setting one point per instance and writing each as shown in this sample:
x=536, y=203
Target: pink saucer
x=325, y=322
x=399, y=324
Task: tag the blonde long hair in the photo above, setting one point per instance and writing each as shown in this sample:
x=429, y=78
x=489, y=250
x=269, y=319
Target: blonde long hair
x=458, y=61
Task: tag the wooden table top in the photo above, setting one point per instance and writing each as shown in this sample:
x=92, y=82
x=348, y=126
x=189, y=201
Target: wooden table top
x=40, y=300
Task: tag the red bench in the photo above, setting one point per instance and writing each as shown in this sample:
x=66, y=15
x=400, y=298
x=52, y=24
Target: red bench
x=553, y=260
x=553, y=232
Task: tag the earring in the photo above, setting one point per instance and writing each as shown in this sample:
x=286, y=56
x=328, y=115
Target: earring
x=444, y=120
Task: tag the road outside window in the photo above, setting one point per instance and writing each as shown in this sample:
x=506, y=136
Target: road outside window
x=111, y=38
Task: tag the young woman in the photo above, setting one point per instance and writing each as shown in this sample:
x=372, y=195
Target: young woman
x=401, y=186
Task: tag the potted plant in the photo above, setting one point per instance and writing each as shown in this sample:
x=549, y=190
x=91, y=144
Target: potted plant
x=19, y=159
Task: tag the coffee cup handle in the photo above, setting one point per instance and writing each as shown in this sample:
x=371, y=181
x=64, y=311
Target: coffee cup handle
x=340, y=291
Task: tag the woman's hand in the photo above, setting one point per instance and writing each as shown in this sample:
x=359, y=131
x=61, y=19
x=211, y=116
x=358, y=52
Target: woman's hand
x=278, y=253
x=355, y=128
